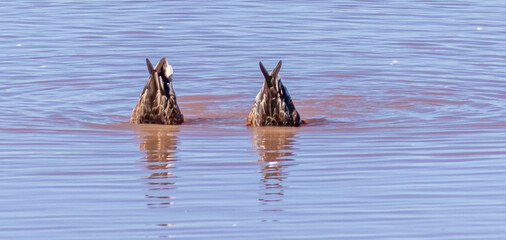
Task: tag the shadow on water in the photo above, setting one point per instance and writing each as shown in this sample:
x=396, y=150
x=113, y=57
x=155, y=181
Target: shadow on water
x=275, y=148
x=159, y=144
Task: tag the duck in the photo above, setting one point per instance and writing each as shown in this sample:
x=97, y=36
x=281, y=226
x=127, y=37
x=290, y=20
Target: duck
x=273, y=105
x=157, y=103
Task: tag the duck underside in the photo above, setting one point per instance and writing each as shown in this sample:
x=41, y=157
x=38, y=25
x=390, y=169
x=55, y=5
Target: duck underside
x=158, y=110
x=273, y=111
x=157, y=103
x=156, y=106
x=281, y=118
x=273, y=105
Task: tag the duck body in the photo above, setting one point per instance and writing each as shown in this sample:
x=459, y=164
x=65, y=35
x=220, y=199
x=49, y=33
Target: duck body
x=157, y=103
x=273, y=105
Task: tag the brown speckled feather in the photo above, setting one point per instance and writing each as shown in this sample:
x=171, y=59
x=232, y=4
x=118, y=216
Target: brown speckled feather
x=273, y=105
x=157, y=103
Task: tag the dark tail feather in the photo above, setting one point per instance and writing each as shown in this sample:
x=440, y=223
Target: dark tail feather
x=161, y=64
x=150, y=66
x=266, y=75
x=264, y=71
x=275, y=71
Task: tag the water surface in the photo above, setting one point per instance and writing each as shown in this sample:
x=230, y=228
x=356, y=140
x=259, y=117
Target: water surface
x=405, y=102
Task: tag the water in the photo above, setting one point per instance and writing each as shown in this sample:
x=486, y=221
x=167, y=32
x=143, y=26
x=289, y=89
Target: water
x=405, y=102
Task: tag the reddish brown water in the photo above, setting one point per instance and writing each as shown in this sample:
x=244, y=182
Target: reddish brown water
x=405, y=104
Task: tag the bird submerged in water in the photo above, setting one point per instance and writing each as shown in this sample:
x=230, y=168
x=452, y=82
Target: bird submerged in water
x=273, y=105
x=157, y=103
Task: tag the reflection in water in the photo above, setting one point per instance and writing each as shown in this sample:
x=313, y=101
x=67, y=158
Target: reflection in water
x=159, y=144
x=275, y=149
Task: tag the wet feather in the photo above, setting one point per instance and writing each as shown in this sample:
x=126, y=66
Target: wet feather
x=157, y=103
x=273, y=105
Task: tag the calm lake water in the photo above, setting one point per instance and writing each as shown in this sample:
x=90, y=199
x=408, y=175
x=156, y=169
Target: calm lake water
x=405, y=100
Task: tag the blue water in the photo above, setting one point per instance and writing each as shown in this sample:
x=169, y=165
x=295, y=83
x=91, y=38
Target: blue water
x=405, y=102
